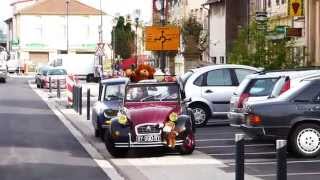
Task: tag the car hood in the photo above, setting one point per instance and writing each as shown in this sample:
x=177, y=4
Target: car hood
x=151, y=113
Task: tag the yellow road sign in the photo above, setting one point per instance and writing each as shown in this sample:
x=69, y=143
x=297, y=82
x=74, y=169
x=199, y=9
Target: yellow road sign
x=295, y=8
x=162, y=38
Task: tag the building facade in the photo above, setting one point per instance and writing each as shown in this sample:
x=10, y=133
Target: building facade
x=312, y=33
x=39, y=31
x=226, y=17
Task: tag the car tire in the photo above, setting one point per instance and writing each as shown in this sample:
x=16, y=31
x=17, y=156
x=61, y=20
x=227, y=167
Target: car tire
x=97, y=133
x=305, y=140
x=115, y=152
x=188, y=145
x=201, y=115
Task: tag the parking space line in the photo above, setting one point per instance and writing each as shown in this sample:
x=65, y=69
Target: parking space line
x=289, y=174
x=232, y=154
x=274, y=162
x=232, y=146
x=206, y=140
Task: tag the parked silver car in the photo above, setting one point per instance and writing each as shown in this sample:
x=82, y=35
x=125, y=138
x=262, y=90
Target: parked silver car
x=210, y=89
x=263, y=86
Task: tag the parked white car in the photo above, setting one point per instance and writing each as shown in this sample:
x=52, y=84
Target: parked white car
x=3, y=71
x=210, y=89
x=13, y=65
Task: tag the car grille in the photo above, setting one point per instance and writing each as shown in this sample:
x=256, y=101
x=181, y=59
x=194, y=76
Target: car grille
x=148, y=129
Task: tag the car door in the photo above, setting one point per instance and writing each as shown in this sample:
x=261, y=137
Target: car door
x=218, y=88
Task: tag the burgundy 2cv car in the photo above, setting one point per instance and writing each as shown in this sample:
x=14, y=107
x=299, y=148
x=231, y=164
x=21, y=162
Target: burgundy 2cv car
x=153, y=115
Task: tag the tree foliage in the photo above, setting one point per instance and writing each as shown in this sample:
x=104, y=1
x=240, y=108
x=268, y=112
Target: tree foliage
x=123, y=38
x=254, y=48
x=191, y=33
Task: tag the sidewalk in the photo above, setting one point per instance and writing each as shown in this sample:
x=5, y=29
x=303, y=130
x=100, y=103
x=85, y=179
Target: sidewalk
x=147, y=165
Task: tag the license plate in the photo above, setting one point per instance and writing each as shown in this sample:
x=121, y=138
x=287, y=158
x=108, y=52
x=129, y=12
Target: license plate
x=149, y=138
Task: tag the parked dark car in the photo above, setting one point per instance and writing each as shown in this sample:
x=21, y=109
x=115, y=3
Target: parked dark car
x=153, y=115
x=109, y=103
x=294, y=115
x=41, y=76
x=264, y=85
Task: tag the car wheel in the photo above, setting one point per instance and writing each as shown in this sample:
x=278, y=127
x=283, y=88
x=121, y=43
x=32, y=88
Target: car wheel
x=97, y=132
x=201, y=115
x=305, y=140
x=188, y=144
x=115, y=152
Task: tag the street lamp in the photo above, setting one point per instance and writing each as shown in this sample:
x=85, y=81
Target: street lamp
x=67, y=4
x=137, y=16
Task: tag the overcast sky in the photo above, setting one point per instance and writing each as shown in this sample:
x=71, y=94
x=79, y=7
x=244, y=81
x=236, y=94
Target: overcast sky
x=111, y=7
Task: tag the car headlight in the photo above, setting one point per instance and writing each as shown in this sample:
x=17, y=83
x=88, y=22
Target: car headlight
x=173, y=117
x=122, y=119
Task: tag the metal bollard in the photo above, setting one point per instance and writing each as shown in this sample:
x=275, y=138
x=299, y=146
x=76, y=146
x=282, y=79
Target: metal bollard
x=281, y=146
x=74, y=97
x=80, y=100
x=88, y=104
x=58, y=89
x=239, y=138
x=50, y=86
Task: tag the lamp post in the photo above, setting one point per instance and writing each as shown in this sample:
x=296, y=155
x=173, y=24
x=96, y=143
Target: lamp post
x=67, y=4
x=137, y=17
x=163, y=23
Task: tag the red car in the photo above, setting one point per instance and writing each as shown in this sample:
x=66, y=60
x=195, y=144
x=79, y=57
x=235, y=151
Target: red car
x=153, y=115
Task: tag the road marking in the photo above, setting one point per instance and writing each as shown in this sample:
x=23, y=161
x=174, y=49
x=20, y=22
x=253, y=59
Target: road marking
x=274, y=162
x=289, y=174
x=205, y=140
x=106, y=167
x=232, y=154
x=232, y=146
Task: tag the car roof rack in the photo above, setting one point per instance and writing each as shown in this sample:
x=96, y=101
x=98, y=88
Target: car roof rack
x=293, y=69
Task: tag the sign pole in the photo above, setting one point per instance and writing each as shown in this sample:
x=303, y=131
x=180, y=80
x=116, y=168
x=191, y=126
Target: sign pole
x=163, y=23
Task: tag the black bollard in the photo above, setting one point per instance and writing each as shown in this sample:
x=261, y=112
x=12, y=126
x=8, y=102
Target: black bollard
x=281, y=146
x=58, y=89
x=50, y=86
x=239, y=138
x=80, y=100
x=88, y=104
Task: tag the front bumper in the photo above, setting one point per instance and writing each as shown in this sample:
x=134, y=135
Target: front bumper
x=272, y=132
x=132, y=144
x=3, y=74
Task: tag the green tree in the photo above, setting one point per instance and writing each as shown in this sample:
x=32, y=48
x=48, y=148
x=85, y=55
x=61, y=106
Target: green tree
x=191, y=32
x=254, y=48
x=123, y=38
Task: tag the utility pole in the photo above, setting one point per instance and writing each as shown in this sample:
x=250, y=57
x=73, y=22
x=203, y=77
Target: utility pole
x=163, y=23
x=67, y=29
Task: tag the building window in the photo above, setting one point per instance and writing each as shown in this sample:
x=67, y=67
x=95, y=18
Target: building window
x=214, y=60
x=278, y=2
x=221, y=59
x=269, y=3
x=283, y=1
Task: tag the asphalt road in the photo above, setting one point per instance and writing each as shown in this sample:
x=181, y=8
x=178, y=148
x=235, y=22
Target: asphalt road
x=34, y=144
x=260, y=157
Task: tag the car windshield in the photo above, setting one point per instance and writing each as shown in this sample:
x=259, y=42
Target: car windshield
x=141, y=93
x=57, y=72
x=114, y=92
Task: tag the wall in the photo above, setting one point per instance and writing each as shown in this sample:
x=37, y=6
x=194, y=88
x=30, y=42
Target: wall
x=51, y=32
x=217, y=39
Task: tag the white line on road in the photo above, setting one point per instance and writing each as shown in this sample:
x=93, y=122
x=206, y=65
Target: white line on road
x=205, y=140
x=107, y=168
x=232, y=146
x=232, y=154
x=274, y=162
x=289, y=174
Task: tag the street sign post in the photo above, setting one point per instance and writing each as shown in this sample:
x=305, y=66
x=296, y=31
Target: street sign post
x=162, y=38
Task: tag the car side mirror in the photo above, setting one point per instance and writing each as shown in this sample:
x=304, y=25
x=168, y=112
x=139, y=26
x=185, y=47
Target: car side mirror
x=187, y=100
